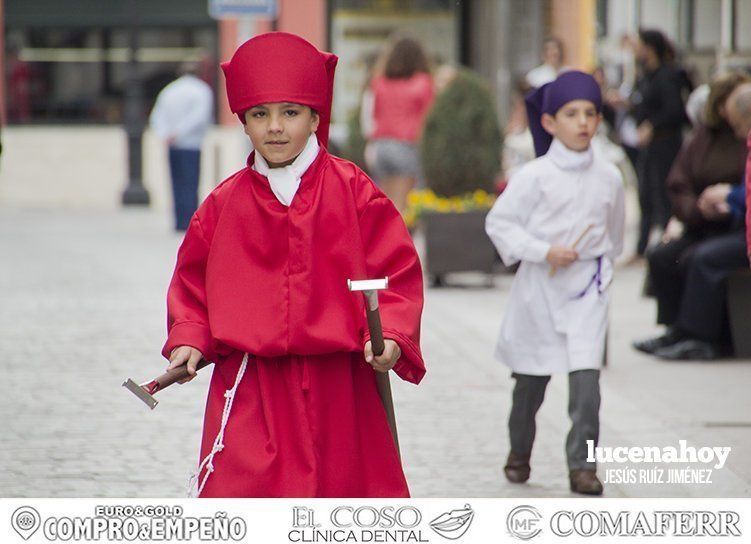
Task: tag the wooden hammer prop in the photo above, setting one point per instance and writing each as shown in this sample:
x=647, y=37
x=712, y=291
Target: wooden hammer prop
x=370, y=289
x=146, y=391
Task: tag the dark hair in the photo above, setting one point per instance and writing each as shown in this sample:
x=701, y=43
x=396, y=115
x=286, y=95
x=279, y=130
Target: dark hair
x=403, y=58
x=656, y=40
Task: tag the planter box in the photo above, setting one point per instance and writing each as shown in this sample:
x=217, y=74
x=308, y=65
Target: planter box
x=456, y=242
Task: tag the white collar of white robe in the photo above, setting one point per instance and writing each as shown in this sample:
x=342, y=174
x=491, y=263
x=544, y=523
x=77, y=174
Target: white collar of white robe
x=285, y=181
x=568, y=159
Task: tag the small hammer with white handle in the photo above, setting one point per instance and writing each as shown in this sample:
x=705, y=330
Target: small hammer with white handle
x=146, y=391
x=370, y=289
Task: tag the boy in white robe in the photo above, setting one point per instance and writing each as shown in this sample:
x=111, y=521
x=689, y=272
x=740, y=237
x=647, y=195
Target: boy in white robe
x=562, y=216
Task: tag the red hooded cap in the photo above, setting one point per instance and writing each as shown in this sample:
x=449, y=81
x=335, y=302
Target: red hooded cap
x=281, y=67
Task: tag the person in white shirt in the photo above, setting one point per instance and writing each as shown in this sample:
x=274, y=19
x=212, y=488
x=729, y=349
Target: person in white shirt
x=552, y=63
x=562, y=217
x=182, y=115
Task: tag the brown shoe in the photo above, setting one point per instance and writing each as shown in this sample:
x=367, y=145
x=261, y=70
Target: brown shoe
x=585, y=482
x=517, y=468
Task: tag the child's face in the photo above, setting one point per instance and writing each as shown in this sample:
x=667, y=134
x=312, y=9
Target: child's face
x=280, y=130
x=574, y=124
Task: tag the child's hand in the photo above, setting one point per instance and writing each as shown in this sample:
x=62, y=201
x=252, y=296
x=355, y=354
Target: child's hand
x=386, y=360
x=561, y=256
x=180, y=355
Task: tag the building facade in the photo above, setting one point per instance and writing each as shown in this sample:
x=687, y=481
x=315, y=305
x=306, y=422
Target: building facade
x=72, y=65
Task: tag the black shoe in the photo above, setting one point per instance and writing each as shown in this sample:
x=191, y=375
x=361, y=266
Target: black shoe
x=651, y=345
x=517, y=468
x=690, y=349
x=585, y=482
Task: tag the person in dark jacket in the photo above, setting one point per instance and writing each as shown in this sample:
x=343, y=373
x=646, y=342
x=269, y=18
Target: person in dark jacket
x=687, y=272
x=658, y=108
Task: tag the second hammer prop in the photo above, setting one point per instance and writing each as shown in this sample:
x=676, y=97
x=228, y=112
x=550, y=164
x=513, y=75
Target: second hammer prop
x=370, y=289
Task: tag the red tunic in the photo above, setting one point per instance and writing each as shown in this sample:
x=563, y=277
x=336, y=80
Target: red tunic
x=255, y=276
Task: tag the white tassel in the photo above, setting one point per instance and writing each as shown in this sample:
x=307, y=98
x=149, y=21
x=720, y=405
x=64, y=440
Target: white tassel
x=194, y=490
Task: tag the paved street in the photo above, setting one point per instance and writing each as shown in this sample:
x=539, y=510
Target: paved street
x=82, y=307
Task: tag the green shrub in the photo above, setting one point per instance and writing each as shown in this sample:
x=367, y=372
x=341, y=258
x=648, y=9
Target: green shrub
x=461, y=142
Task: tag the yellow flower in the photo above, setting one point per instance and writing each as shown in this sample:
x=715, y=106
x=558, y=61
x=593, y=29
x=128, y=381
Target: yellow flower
x=422, y=200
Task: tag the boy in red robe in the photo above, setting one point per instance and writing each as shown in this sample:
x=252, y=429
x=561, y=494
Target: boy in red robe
x=260, y=289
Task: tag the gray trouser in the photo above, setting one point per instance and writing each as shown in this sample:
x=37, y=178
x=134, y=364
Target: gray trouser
x=583, y=409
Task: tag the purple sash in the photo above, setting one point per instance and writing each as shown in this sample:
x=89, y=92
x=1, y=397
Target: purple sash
x=596, y=281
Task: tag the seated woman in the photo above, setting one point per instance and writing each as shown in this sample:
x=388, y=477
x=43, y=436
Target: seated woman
x=690, y=295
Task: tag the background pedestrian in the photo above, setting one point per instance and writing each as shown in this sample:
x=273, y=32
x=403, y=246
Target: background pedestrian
x=402, y=93
x=182, y=115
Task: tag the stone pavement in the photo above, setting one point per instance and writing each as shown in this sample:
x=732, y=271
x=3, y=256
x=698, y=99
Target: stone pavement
x=81, y=308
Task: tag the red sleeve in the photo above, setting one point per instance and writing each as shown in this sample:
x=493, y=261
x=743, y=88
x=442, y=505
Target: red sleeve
x=187, y=318
x=390, y=252
x=748, y=197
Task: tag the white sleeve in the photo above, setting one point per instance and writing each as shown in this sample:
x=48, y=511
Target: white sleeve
x=506, y=223
x=157, y=118
x=617, y=220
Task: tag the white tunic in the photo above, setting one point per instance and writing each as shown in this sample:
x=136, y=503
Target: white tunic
x=549, y=325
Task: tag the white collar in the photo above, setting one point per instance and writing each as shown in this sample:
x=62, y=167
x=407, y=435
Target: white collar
x=568, y=159
x=285, y=181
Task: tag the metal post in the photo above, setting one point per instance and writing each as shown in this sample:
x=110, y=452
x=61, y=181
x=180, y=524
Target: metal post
x=135, y=193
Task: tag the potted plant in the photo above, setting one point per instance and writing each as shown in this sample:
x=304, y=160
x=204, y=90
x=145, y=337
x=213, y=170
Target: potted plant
x=461, y=157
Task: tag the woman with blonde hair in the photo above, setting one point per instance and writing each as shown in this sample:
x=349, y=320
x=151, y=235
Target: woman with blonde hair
x=402, y=92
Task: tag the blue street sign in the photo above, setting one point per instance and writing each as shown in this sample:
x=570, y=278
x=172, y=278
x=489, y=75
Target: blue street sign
x=219, y=9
